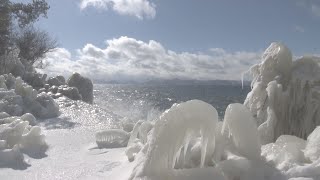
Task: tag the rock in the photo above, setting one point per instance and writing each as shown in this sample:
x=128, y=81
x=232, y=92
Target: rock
x=53, y=89
x=10, y=81
x=61, y=79
x=45, y=107
x=84, y=85
x=4, y=115
x=18, y=69
x=11, y=104
x=71, y=92
x=3, y=82
x=46, y=86
x=35, y=80
x=56, y=81
x=42, y=90
x=30, y=118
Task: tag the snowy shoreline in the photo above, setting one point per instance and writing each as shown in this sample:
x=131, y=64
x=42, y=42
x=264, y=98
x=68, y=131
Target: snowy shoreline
x=260, y=139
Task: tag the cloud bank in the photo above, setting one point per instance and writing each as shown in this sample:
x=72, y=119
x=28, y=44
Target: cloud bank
x=138, y=8
x=128, y=59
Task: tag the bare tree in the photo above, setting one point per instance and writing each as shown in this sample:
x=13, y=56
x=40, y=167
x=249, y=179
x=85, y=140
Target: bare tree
x=15, y=16
x=34, y=44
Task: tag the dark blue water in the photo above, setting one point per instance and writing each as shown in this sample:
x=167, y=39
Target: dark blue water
x=140, y=102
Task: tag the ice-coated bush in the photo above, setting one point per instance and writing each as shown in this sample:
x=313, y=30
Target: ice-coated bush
x=171, y=133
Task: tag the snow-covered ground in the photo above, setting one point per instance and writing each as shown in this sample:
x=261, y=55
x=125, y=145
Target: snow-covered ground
x=72, y=153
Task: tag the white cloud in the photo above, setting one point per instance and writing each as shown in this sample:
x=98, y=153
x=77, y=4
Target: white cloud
x=138, y=8
x=315, y=9
x=312, y=6
x=299, y=29
x=129, y=59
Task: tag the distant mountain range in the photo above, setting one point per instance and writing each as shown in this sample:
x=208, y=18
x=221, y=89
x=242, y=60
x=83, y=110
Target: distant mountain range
x=176, y=82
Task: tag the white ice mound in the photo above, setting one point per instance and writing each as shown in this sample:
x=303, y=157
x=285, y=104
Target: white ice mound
x=173, y=132
x=17, y=98
x=312, y=150
x=113, y=138
x=286, y=152
x=243, y=130
x=11, y=157
x=285, y=97
x=17, y=136
x=138, y=137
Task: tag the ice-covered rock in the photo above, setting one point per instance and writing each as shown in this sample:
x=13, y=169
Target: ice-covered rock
x=285, y=97
x=70, y=92
x=3, y=83
x=56, y=81
x=45, y=107
x=10, y=81
x=17, y=137
x=11, y=157
x=33, y=142
x=112, y=138
x=24, y=99
x=4, y=115
x=34, y=79
x=84, y=85
x=30, y=118
x=61, y=79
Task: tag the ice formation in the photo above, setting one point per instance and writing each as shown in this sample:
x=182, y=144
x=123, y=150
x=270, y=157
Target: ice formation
x=17, y=98
x=285, y=96
x=138, y=137
x=243, y=130
x=173, y=132
x=112, y=138
x=17, y=137
x=312, y=150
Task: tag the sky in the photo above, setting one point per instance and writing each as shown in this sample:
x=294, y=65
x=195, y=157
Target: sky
x=165, y=39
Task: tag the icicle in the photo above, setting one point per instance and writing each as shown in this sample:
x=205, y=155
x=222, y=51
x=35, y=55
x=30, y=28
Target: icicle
x=204, y=144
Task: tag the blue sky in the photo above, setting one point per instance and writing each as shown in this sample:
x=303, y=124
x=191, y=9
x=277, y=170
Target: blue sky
x=184, y=26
